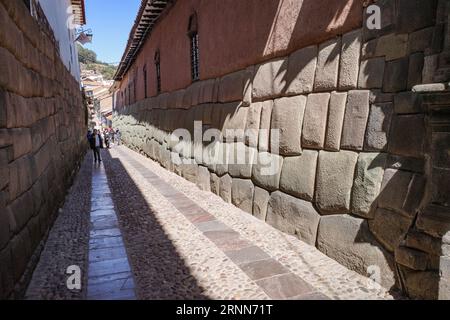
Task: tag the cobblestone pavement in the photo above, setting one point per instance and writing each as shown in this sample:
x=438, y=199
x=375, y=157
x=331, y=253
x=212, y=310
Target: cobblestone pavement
x=183, y=243
x=67, y=244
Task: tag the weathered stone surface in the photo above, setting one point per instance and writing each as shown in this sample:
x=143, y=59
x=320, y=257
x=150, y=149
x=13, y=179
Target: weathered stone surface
x=334, y=181
x=242, y=194
x=336, y=115
x=430, y=66
x=225, y=188
x=424, y=242
x=270, y=79
x=416, y=63
x=348, y=240
x=240, y=160
x=396, y=75
x=253, y=124
x=298, y=175
x=203, y=180
x=315, y=121
x=440, y=186
x=411, y=258
x=389, y=228
x=301, y=71
x=287, y=119
x=434, y=220
x=4, y=221
x=378, y=127
x=409, y=20
x=391, y=46
x=367, y=184
x=6, y=273
x=420, y=40
x=234, y=122
x=21, y=252
x=232, y=87
x=215, y=184
x=355, y=120
x=4, y=173
x=190, y=172
x=260, y=203
x=422, y=285
x=328, y=65
x=407, y=103
x=293, y=216
x=371, y=73
x=407, y=136
x=267, y=171
x=264, y=133
x=405, y=163
x=394, y=190
x=350, y=55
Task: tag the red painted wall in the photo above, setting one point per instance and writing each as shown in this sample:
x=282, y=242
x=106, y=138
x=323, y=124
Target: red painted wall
x=234, y=34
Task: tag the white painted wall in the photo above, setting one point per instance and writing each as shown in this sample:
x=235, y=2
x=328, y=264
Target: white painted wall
x=57, y=16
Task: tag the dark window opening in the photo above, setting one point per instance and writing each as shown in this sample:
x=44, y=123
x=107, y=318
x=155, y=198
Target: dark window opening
x=145, y=81
x=195, y=52
x=158, y=72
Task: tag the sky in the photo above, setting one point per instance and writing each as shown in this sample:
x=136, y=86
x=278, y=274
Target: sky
x=110, y=22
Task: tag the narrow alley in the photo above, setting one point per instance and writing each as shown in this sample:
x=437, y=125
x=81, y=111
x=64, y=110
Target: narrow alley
x=178, y=243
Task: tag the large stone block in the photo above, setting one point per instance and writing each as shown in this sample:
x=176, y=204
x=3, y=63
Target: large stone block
x=264, y=133
x=336, y=115
x=287, y=119
x=350, y=55
x=408, y=103
x=328, y=65
x=394, y=190
x=235, y=119
x=21, y=141
x=396, y=75
x=440, y=186
x=204, y=180
x=422, y=285
x=267, y=171
x=242, y=194
x=348, y=240
x=293, y=216
x=3, y=115
x=225, y=188
x=232, y=87
x=21, y=253
x=371, y=73
x=260, y=203
x=389, y=228
x=315, y=121
x=253, y=124
x=355, y=120
x=270, y=79
x=416, y=63
x=411, y=258
x=378, y=127
x=4, y=221
x=434, y=220
x=6, y=273
x=424, y=242
x=408, y=135
x=240, y=160
x=367, y=184
x=301, y=71
x=215, y=184
x=299, y=174
x=4, y=173
x=410, y=20
x=334, y=181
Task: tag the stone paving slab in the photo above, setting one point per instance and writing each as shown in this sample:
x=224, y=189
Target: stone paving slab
x=316, y=275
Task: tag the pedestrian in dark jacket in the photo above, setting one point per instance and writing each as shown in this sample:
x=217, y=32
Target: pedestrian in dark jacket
x=96, y=143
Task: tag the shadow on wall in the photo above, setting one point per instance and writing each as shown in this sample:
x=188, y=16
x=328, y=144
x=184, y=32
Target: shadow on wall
x=160, y=272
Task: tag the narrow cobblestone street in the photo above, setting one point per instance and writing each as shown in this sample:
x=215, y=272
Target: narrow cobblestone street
x=154, y=235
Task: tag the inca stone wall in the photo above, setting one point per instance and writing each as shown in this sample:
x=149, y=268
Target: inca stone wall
x=42, y=129
x=354, y=172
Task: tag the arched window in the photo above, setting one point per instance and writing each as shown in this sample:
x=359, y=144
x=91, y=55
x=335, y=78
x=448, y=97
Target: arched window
x=158, y=71
x=195, y=54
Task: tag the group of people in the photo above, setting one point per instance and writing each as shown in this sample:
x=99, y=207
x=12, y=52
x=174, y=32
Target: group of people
x=99, y=140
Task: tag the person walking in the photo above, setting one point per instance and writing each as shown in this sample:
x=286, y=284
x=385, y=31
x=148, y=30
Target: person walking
x=96, y=143
x=118, y=136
